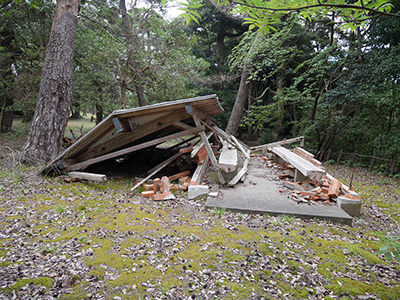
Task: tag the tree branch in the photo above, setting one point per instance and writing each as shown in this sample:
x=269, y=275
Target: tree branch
x=325, y=5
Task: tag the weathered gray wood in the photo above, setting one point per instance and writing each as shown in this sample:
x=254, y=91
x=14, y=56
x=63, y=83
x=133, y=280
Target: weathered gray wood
x=182, y=125
x=199, y=146
x=159, y=168
x=88, y=176
x=242, y=172
x=199, y=172
x=80, y=166
x=305, y=167
x=203, y=136
x=125, y=138
x=280, y=143
x=240, y=147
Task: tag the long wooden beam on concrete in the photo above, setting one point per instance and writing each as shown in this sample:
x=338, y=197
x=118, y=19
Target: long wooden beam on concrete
x=303, y=166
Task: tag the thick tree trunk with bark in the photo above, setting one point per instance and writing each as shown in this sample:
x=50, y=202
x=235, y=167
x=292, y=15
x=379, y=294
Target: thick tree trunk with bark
x=56, y=88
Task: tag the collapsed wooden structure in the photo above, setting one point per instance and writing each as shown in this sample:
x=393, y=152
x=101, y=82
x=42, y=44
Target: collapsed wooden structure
x=126, y=131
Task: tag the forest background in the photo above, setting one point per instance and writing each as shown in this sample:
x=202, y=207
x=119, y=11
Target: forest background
x=321, y=77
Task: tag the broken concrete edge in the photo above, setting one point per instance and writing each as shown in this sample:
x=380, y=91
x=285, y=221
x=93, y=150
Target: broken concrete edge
x=342, y=220
x=350, y=206
x=196, y=192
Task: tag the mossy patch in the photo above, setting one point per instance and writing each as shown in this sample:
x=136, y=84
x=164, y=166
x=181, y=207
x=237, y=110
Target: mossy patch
x=40, y=281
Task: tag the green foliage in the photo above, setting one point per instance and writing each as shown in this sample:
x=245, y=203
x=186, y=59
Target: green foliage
x=390, y=247
x=219, y=211
x=265, y=15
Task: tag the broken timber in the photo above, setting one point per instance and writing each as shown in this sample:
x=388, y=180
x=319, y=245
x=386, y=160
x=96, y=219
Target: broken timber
x=301, y=165
x=191, y=111
x=128, y=130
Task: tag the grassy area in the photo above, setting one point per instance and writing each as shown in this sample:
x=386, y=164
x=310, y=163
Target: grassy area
x=87, y=240
x=79, y=126
x=16, y=137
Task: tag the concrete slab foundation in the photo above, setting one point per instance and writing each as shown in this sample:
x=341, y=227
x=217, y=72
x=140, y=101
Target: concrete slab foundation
x=260, y=194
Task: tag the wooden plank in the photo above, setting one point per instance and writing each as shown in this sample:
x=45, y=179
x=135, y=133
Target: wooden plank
x=160, y=167
x=179, y=175
x=160, y=164
x=81, y=165
x=242, y=172
x=203, y=136
x=307, y=155
x=182, y=125
x=199, y=146
x=280, y=143
x=125, y=138
x=305, y=167
x=88, y=176
x=198, y=174
x=240, y=147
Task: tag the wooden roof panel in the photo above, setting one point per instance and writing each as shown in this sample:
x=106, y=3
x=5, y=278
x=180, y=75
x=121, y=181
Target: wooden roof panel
x=208, y=105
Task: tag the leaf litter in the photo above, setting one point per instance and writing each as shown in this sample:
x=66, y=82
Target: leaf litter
x=99, y=241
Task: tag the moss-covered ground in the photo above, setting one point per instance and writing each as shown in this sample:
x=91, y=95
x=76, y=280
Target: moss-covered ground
x=99, y=240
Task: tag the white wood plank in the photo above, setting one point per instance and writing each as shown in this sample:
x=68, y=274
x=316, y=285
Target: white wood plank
x=88, y=176
x=305, y=167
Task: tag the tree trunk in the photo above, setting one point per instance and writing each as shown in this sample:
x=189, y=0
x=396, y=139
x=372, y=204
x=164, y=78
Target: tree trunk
x=53, y=106
x=127, y=31
x=7, y=38
x=99, y=113
x=241, y=97
x=6, y=114
x=279, y=86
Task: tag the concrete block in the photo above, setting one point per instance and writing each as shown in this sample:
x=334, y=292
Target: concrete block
x=352, y=207
x=197, y=191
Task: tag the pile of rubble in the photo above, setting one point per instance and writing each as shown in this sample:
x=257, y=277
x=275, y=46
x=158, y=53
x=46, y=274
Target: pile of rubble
x=328, y=190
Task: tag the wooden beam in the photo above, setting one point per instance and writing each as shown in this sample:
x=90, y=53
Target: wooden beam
x=240, y=147
x=280, y=143
x=121, y=125
x=203, y=136
x=82, y=165
x=199, y=146
x=305, y=167
x=218, y=132
x=88, y=176
x=182, y=125
x=199, y=172
x=242, y=172
x=125, y=138
x=160, y=167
